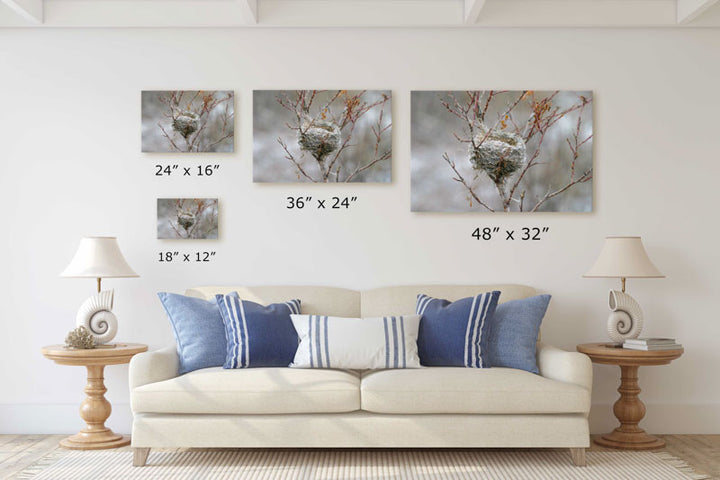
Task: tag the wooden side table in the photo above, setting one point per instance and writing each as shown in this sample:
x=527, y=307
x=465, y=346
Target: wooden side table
x=95, y=409
x=629, y=410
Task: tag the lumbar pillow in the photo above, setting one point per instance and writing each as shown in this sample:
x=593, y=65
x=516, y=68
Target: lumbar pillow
x=199, y=331
x=257, y=335
x=356, y=343
x=513, y=333
x=454, y=334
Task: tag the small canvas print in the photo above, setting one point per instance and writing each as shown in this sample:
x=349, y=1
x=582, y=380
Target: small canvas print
x=187, y=218
x=502, y=151
x=322, y=136
x=188, y=121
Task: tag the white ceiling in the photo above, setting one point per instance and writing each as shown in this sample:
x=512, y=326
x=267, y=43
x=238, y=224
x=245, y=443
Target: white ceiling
x=359, y=13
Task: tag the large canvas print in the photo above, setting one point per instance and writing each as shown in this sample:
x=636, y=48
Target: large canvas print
x=502, y=151
x=322, y=136
x=187, y=218
x=188, y=121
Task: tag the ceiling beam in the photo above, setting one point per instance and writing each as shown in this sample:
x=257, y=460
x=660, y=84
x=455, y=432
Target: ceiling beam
x=30, y=10
x=147, y=13
x=250, y=9
x=354, y=13
x=578, y=13
x=689, y=10
x=472, y=11
x=357, y=13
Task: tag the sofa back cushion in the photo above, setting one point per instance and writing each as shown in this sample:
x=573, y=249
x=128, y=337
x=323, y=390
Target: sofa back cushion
x=401, y=300
x=338, y=302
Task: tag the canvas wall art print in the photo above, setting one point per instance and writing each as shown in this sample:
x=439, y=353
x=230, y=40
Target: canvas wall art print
x=322, y=136
x=188, y=121
x=502, y=151
x=187, y=218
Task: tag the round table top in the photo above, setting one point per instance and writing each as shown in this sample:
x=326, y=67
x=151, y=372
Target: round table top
x=104, y=355
x=601, y=353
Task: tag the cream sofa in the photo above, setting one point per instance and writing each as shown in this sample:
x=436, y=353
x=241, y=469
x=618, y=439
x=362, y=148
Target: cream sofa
x=434, y=407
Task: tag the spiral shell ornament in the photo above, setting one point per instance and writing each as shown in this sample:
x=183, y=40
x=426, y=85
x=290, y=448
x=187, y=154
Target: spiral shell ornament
x=96, y=315
x=626, y=318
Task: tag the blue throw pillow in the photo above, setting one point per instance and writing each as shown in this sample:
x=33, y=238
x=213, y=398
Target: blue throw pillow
x=257, y=335
x=513, y=333
x=199, y=331
x=454, y=334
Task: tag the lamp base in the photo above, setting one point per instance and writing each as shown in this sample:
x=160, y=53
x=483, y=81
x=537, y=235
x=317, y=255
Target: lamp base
x=96, y=315
x=626, y=317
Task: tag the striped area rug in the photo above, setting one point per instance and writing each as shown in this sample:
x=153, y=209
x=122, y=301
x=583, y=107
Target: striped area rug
x=358, y=464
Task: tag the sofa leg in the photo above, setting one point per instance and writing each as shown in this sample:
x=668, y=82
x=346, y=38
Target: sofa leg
x=578, y=457
x=140, y=456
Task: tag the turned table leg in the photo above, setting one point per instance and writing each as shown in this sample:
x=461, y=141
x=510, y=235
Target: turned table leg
x=629, y=410
x=95, y=409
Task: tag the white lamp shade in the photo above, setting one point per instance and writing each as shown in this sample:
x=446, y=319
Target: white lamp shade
x=98, y=257
x=624, y=257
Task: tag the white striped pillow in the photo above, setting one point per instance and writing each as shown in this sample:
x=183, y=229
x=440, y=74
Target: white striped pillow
x=356, y=343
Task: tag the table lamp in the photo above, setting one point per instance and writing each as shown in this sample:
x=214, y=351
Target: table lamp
x=623, y=258
x=98, y=257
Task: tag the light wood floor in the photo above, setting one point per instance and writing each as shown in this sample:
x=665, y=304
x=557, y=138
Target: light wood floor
x=17, y=452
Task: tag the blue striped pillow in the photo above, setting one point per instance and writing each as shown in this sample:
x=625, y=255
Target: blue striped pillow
x=356, y=343
x=454, y=334
x=257, y=335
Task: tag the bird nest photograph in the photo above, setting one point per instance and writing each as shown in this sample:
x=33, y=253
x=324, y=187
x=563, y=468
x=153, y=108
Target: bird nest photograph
x=188, y=121
x=322, y=136
x=187, y=218
x=502, y=151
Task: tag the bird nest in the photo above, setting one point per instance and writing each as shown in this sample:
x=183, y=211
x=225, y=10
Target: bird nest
x=186, y=220
x=186, y=123
x=319, y=138
x=498, y=153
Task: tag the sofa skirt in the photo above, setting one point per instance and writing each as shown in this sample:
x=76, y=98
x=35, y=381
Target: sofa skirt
x=359, y=430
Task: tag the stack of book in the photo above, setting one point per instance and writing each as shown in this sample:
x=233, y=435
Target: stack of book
x=651, y=344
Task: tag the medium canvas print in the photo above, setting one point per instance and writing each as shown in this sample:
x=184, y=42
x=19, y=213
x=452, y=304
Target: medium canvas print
x=187, y=218
x=188, y=121
x=322, y=136
x=502, y=151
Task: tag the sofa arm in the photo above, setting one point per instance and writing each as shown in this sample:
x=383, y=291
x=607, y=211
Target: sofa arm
x=564, y=366
x=155, y=366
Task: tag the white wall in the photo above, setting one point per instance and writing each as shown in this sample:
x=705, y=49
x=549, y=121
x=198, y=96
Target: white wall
x=70, y=165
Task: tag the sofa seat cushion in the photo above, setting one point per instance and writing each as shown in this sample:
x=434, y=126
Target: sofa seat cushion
x=469, y=390
x=252, y=391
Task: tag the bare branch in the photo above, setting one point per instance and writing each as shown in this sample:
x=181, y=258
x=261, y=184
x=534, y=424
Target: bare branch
x=459, y=178
x=290, y=157
x=172, y=143
x=582, y=179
